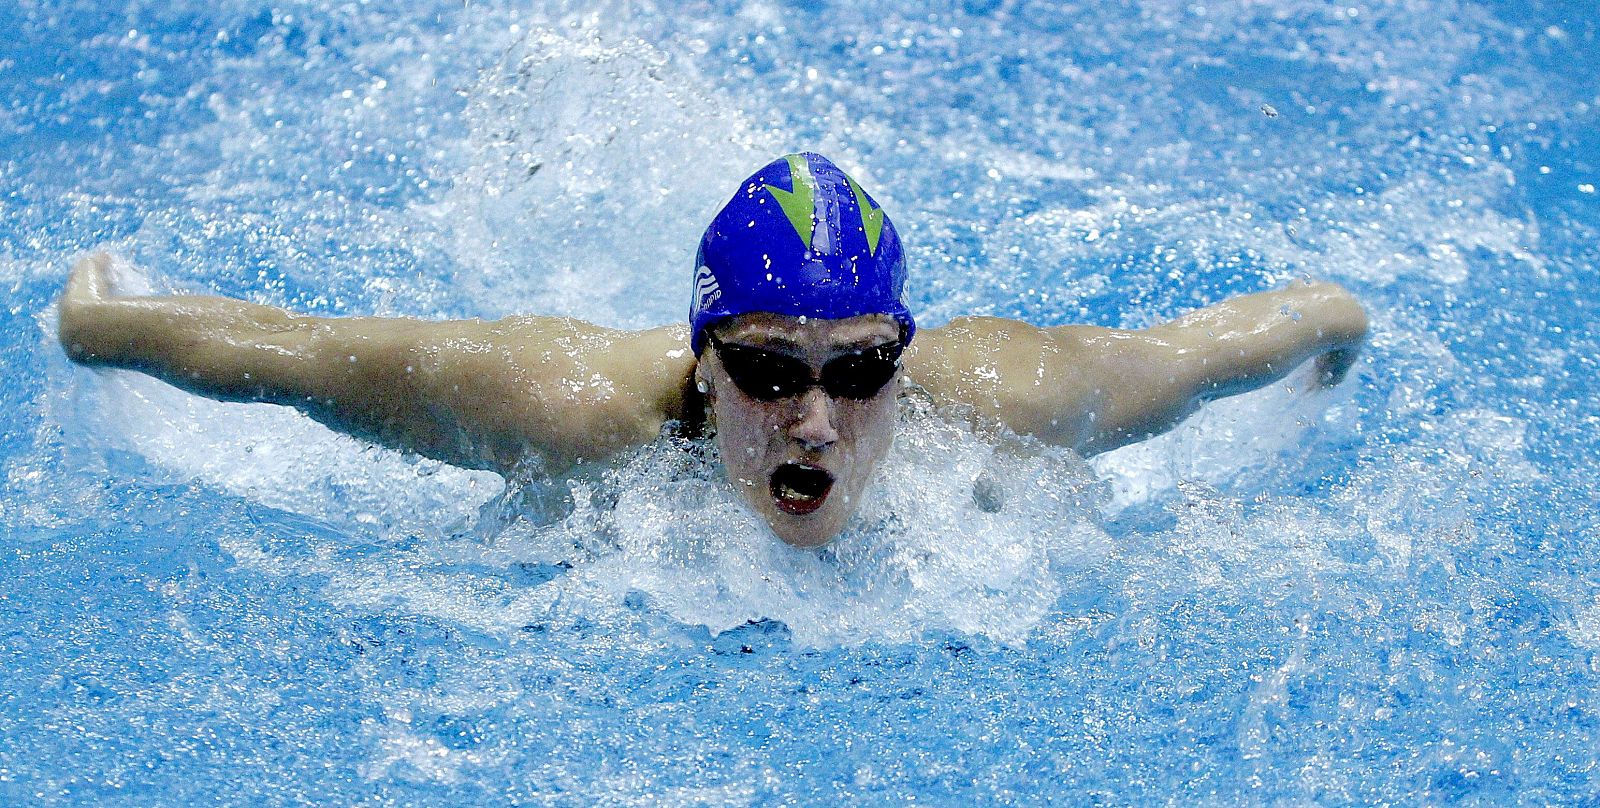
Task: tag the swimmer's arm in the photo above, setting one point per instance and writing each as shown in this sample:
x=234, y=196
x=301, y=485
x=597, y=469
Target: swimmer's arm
x=1146, y=381
x=1095, y=389
x=471, y=393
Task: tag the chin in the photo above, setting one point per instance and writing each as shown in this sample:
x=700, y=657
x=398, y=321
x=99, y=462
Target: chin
x=814, y=530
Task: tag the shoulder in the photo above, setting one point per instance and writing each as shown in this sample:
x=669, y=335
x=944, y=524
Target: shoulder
x=968, y=344
x=969, y=327
x=567, y=340
x=574, y=389
x=1018, y=374
x=641, y=372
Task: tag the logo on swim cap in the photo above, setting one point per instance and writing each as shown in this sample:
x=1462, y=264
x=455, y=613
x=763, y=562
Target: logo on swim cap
x=706, y=291
x=799, y=238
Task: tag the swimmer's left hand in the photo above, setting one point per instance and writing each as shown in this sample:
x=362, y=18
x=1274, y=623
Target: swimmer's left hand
x=1333, y=366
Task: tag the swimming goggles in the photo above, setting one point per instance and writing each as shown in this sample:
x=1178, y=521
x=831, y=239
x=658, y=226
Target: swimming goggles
x=769, y=376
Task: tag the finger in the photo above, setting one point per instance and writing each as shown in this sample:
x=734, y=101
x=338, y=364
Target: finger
x=90, y=279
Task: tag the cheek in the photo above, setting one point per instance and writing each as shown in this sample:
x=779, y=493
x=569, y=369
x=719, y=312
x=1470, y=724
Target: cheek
x=871, y=428
x=884, y=426
x=740, y=429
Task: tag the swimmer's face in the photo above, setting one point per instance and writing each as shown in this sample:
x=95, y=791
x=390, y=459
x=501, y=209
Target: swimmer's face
x=803, y=460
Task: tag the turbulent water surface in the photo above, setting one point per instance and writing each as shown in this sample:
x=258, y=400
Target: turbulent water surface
x=1385, y=592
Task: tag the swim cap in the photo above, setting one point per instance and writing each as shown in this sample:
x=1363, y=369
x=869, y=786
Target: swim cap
x=799, y=238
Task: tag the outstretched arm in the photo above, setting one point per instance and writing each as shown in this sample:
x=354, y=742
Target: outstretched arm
x=474, y=394
x=1096, y=389
x=1154, y=378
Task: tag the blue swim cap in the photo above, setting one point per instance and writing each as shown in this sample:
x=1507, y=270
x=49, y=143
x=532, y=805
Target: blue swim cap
x=800, y=238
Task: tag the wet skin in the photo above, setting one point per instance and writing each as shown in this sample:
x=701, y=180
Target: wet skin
x=563, y=394
x=843, y=437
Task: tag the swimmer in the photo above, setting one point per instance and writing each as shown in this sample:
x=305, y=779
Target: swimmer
x=798, y=348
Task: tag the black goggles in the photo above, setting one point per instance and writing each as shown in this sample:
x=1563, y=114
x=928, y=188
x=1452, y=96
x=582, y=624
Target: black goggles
x=770, y=376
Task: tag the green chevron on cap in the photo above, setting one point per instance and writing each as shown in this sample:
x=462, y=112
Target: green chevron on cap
x=798, y=204
x=871, y=217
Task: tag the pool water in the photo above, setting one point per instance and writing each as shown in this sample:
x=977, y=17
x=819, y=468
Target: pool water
x=1383, y=593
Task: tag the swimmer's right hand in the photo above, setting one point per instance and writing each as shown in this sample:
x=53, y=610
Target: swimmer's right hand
x=88, y=285
x=90, y=279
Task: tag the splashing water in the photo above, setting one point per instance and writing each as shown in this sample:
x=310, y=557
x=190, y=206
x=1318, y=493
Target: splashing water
x=967, y=534
x=1381, y=593
x=956, y=538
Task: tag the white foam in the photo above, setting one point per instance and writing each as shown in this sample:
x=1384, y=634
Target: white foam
x=591, y=169
x=276, y=457
x=1225, y=438
x=625, y=136
x=404, y=753
x=960, y=532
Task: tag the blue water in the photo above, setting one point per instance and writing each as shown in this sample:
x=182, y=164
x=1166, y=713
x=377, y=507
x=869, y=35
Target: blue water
x=1385, y=593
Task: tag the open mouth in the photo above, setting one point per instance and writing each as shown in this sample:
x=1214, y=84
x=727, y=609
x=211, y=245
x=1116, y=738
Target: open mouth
x=800, y=489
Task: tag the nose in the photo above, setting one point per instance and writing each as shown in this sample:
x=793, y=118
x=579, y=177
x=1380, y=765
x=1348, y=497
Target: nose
x=813, y=426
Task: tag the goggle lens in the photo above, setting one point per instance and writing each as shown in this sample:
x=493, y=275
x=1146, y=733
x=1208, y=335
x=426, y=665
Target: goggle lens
x=769, y=376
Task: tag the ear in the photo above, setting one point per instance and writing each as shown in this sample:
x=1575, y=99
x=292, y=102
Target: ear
x=702, y=381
